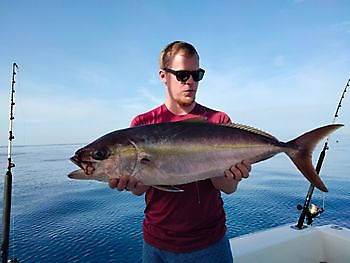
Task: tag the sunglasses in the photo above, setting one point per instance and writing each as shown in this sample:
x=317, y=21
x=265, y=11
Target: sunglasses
x=184, y=75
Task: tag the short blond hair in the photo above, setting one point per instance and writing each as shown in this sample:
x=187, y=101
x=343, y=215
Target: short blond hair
x=173, y=49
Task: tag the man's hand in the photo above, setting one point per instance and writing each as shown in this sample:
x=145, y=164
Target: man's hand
x=228, y=183
x=238, y=171
x=128, y=183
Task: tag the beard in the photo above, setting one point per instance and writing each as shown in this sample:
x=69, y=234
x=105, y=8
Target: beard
x=183, y=98
x=185, y=101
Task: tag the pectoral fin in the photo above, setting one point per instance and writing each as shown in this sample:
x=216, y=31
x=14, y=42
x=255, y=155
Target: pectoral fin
x=168, y=188
x=143, y=158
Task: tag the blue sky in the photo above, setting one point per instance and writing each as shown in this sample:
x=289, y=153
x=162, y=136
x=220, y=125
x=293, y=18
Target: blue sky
x=88, y=67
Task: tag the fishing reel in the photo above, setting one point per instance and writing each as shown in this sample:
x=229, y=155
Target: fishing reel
x=311, y=212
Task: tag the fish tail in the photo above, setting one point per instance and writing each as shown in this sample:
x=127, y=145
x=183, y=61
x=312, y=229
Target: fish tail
x=301, y=155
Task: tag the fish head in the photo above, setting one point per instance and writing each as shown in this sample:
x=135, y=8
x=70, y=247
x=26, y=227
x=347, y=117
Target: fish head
x=94, y=163
x=97, y=161
x=106, y=158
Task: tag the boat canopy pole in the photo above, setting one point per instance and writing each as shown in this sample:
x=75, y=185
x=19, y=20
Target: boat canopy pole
x=311, y=212
x=8, y=180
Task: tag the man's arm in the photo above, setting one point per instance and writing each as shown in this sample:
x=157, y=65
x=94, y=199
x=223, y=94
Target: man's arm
x=229, y=182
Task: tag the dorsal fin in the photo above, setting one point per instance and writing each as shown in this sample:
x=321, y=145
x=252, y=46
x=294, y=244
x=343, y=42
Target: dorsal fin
x=251, y=129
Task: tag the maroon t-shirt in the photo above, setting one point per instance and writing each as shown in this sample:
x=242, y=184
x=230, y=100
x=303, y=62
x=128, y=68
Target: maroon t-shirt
x=194, y=218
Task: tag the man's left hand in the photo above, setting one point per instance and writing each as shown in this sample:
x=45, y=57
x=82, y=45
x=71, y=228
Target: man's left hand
x=238, y=171
x=228, y=183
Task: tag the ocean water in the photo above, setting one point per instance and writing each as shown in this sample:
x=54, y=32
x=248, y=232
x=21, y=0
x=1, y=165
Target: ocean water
x=55, y=219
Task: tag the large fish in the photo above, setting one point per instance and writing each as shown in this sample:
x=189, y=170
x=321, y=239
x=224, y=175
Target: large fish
x=175, y=153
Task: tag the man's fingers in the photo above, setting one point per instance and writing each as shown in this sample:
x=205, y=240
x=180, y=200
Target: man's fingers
x=235, y=173
x=123, y=181
x=238, y=171
x=229, y=174
x=131, y=184
x=243, y=169
x=247, y=165
x=113, y=182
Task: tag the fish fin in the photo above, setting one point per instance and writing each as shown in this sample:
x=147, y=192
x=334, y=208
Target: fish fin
x=143, y=158
x=250, y=129
x=301, y=154
x=168, y=188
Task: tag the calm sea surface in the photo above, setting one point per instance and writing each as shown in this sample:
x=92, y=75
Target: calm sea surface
x=55, y=219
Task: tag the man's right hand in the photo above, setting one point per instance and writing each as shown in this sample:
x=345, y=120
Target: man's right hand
x=128, y=183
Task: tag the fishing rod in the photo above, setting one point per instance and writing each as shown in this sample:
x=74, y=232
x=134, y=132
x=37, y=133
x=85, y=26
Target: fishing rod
x=8, y=179
x=307, y=211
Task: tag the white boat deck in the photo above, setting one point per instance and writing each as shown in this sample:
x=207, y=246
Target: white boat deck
x=321, y=244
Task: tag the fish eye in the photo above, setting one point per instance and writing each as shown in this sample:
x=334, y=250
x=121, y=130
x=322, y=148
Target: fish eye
x=100, y=154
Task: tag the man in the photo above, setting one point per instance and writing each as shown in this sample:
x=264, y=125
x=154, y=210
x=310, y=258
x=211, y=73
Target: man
x=187, y=226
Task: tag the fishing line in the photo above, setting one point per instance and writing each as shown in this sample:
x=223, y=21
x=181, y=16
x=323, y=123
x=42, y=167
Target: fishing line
x=22, y=111
x=20, y=140
x=19, y=111
x=335, y=118
x=336, y=114
x=6, y=224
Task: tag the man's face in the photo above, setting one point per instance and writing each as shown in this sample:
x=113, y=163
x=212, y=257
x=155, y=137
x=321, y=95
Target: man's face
x=183, y=93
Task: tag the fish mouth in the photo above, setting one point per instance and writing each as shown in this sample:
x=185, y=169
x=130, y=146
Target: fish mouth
x=75, y=159
x=85, y=165
x=77, y=174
